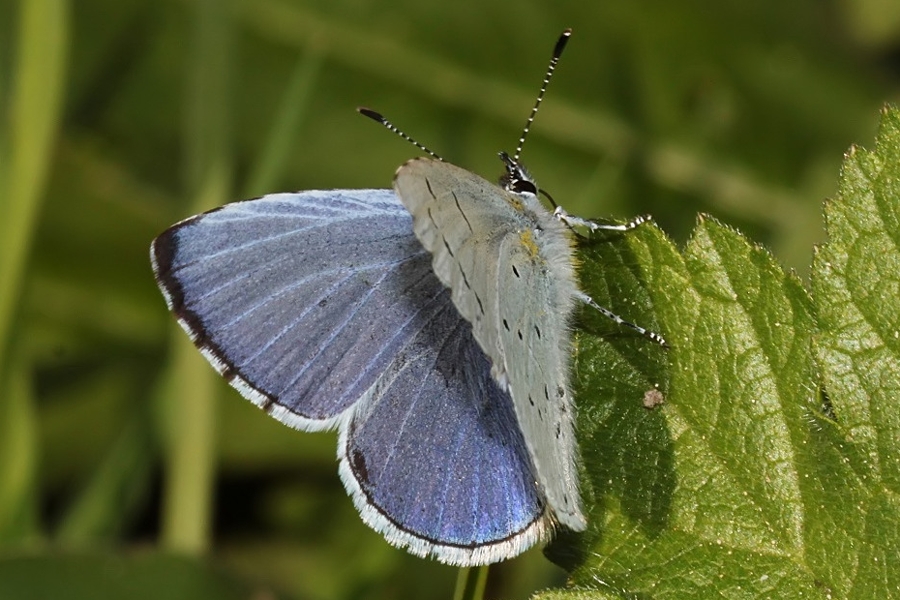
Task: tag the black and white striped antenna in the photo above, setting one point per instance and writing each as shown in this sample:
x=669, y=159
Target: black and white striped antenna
x=554, y=60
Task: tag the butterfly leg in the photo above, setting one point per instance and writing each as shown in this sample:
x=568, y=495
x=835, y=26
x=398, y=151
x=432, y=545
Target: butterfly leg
x=650, y=335
x=572, y=221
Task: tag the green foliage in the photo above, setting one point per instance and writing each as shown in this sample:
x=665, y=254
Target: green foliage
x=748, y=480
x=772, y=459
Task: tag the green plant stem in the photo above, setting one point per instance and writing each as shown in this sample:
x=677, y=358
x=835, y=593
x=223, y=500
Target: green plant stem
x=191, y=384
x=25, y=156
x=471, y=590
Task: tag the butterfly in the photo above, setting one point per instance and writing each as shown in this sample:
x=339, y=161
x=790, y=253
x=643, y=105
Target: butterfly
x=428, y=324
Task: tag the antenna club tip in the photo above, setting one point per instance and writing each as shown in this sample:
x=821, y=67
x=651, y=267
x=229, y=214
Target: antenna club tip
x=561, y=42
x=368, y=112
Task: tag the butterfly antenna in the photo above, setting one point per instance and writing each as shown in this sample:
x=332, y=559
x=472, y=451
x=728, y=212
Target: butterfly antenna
x=557, y=52
x=378, y=118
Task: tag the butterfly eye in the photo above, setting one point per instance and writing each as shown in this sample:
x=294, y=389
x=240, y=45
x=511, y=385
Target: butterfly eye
x=523, y=186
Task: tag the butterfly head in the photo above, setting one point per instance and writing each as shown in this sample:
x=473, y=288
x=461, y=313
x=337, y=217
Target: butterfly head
x=516, y=179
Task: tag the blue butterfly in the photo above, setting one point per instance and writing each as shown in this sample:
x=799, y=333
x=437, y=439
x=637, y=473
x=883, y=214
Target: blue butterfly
x=328, y=310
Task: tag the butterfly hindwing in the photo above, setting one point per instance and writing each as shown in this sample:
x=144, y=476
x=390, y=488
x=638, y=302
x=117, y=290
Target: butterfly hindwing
x=534, y=332
x=435, y=460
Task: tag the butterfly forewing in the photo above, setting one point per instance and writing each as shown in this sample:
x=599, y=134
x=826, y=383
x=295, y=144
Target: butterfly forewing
x=461, y=225
x=280, y=294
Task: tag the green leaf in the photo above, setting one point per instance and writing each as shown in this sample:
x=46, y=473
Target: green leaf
x=856, y=280
x=746, y=481
x=190, y=429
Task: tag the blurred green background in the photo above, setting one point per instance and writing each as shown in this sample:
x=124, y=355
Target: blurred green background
x=126, y=467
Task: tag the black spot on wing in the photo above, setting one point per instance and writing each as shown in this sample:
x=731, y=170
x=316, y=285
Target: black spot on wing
x=465, y=278
x=430, y=191
x=469, y=287
x=462, y=212
x=447, y=247
x=480, y=305
x=358, y=464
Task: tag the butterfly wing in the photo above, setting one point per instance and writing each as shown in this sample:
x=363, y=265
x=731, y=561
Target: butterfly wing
x=535, y=336
x=436, y=461
x=508, y=263
x=321, y=307
x=460, y=219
